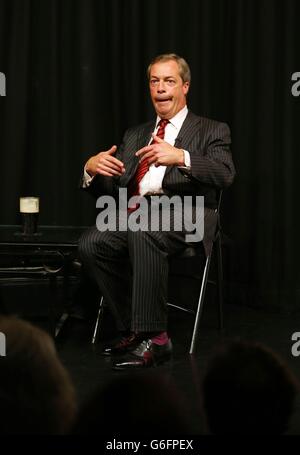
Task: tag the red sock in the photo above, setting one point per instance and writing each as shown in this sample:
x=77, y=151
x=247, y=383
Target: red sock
x=160, y=339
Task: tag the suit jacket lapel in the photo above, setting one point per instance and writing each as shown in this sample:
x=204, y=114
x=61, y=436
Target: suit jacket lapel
x=145, y=135
x=189, y=127
x=143, y=138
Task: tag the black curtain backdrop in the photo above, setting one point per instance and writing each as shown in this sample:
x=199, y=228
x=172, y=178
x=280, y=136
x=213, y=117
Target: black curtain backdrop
x=75, y=74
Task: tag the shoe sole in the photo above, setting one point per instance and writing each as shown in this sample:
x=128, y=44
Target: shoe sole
x=166, y=362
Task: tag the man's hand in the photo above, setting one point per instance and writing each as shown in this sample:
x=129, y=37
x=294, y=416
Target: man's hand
x=105, y=164
x=160, y=153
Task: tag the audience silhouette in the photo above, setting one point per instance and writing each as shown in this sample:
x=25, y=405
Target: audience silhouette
x=140, y=403
x=36, y=393
x=248, y=389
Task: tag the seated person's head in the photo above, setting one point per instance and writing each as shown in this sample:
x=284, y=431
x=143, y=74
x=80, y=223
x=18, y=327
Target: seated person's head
x=138, y=403
x=248, y=390
x=36, y=394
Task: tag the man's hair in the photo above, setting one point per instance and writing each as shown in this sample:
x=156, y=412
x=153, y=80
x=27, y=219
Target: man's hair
x=184, y=69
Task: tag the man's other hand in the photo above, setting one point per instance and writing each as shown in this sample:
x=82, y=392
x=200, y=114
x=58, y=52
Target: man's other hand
x=160, y=153
x=105, y=164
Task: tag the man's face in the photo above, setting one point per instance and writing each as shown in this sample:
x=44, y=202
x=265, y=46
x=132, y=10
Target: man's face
x=167, y=90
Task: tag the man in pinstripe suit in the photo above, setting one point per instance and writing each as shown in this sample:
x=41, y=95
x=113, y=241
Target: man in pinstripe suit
x=131, y=268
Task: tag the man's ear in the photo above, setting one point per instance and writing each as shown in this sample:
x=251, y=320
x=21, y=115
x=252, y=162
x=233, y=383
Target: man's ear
x=186, y=87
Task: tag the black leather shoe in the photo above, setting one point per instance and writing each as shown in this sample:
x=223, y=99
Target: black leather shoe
x=146, y=355
x=126, y=344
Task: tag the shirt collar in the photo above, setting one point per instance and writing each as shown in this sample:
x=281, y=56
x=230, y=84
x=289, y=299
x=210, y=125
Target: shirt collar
x=178, y=119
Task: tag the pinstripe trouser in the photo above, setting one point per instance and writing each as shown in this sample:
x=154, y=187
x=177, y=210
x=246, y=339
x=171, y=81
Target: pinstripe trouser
x=131, y=271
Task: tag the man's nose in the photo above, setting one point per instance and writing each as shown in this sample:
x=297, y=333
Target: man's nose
x=161, y=87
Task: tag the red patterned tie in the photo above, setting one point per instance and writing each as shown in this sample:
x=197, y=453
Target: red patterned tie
x=143, y=167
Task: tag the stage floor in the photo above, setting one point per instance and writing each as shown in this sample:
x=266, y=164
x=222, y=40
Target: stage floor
x=89, y=369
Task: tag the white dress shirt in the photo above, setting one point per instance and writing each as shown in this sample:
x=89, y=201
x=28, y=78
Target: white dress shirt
x=151, y=183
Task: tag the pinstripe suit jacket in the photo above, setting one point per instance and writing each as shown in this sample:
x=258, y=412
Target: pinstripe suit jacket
x=212, y=168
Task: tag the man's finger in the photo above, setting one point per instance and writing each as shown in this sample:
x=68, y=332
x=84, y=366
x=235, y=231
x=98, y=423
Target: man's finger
x=112, y=168
x=144, y=150
x=157, y=139
x=115, y=161
x=107, y=174
x=112, y=150
x=104, y=171
x=103, y=167
x=152, y=160
x=108, y=165
x=147, y=156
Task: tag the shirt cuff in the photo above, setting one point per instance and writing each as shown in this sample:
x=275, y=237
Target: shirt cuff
x=87, y=179
x=187, y=162
x=187, y=159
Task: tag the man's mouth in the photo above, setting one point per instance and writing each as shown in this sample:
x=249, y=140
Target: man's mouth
x=163, y=100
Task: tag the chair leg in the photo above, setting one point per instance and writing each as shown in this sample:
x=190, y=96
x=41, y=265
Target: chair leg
x=200, y=304
x=186, y=310
x=98, y=321
x=61, y=323
x=220, y=281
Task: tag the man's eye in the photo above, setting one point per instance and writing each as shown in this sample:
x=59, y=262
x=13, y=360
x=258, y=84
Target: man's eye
x=154, y=81
x=170, y=82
